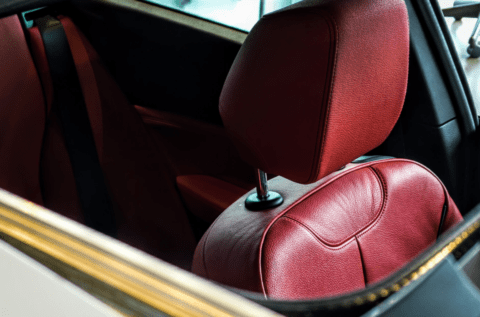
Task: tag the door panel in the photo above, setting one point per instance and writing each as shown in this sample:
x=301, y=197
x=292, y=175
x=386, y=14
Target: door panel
x=160, y=63
x=174, y=70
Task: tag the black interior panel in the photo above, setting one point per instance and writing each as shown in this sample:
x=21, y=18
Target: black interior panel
x=430, y=130
x=157, y=63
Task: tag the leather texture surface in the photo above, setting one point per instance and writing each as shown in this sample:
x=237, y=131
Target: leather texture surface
x=316, y=85
x=206, y=196
x=149, y=213
x=351, y=228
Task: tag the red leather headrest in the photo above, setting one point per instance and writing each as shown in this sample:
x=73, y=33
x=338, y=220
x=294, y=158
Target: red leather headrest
x=317, y=85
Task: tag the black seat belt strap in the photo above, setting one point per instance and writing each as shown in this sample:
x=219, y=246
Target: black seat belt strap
x=69, y=104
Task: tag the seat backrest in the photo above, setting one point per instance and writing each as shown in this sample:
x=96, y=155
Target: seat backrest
x=150, y=215
x=22, y=109
x=148, y=210
x=315, y=86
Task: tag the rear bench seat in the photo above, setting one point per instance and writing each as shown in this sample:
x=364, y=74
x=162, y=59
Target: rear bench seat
x=34, y=163
x=148, y=210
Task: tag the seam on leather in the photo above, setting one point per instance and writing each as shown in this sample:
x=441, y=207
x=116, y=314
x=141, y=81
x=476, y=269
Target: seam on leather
x=203, y=255
x=384, y=202
x=312, y=192
x=446, y=203
x=367, y=224
x=286, y=218
x=295, y=203
x=363, y=262
x=326, y=244
x=315, y=169
x=204, y=247
x=405, y=86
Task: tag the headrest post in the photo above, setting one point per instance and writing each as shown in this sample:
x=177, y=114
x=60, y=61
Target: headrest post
x=262, y=184
x=262, y=199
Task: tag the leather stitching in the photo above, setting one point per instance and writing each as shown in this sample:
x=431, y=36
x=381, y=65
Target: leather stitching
x=203, y=253
x=363, y=262
x=384, y=202
x=204, y=248
x=324, y=126
x=446, y=203
x=298, y=201
x=286, y=218
x=321, y=186
x=337, y=246
x=333, y=244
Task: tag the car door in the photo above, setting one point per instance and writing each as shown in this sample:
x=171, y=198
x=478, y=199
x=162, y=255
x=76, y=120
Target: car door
x=173, y=65
x=124, y=280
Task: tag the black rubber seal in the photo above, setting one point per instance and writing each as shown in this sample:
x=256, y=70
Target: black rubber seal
x=273, y=199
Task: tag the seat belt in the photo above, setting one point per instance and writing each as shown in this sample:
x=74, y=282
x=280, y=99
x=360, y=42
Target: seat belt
x=69, y=104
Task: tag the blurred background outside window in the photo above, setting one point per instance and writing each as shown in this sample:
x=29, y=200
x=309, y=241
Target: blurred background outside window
x=239, y=14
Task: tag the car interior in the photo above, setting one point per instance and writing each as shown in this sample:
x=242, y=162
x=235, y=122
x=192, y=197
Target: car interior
x=260, y=161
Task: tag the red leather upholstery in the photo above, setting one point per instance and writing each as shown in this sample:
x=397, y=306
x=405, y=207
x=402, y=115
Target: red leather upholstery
x=347, y=230
x=58, y=184
x=22, y=116
x=317, y=85
x=149, y=213
x=313, y=87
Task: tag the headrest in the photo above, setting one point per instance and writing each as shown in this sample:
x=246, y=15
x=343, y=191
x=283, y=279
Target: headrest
x=317, y=85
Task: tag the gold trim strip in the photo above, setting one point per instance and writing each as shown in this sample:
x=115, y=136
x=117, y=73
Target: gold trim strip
x=424, y=269
x=104, y=268
x=20, y=225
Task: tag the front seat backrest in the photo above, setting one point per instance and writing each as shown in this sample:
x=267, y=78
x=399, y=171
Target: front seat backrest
x=315, y=86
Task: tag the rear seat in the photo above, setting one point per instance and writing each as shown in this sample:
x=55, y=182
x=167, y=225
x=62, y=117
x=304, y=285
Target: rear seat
x=209, y=172
x=35, y=164
x=149, y=213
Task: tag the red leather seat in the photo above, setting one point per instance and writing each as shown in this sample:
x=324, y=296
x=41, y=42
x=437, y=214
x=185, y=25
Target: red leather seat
x=315, y=86
x=150, y=215
x=35, y=163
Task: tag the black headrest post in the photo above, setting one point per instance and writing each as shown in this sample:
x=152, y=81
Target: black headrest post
x=262, y=184
x=263, y=199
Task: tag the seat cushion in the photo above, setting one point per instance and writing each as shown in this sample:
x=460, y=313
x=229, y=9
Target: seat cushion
x=351, y=228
